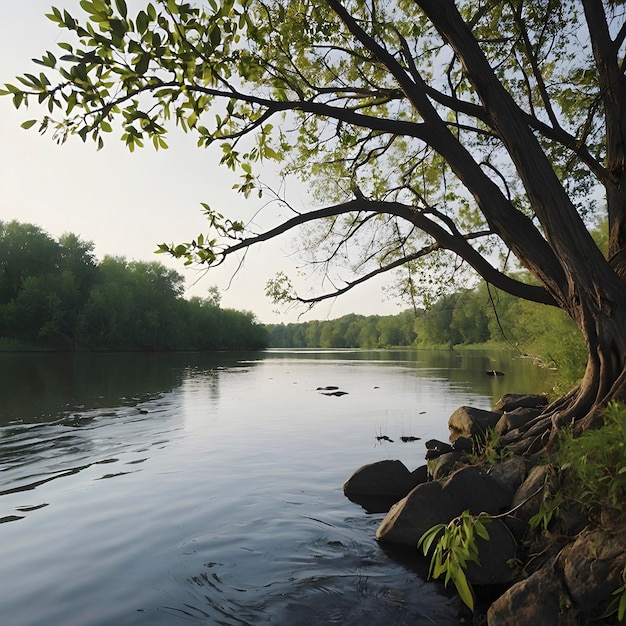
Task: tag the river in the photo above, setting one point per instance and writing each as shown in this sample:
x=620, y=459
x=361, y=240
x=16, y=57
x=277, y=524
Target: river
x=141, y=489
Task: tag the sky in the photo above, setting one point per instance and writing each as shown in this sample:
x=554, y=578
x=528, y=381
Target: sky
x=127, y=204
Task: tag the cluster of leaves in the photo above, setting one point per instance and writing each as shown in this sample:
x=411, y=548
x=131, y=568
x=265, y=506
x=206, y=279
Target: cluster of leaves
x=453, y=547
x=54, y=294
x=205, y=250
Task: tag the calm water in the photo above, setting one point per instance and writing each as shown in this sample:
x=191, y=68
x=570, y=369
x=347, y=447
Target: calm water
x=206, y=489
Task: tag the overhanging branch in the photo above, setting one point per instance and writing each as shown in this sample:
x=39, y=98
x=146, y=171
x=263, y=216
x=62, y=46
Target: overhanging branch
x=454, y=242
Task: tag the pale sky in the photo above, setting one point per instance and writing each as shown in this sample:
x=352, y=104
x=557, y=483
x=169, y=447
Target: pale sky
x=128, y=203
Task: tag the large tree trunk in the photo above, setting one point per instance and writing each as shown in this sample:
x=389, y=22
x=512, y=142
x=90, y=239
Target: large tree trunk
x=583, y=283
x=604, y=379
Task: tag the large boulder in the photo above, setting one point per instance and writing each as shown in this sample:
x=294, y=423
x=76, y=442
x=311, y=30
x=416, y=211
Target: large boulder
x=438, y=502
x=470, y=422
x=377, y=486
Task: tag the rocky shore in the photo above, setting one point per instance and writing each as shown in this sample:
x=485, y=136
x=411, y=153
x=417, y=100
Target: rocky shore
x=541, y=568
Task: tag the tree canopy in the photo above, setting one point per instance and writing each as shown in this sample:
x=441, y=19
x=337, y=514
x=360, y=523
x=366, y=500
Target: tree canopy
x=430, y=130
x=54, y=294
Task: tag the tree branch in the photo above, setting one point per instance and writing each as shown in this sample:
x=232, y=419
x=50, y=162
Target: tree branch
x=456, y=243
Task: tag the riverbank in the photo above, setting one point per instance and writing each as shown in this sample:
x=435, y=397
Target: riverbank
x=524, y=538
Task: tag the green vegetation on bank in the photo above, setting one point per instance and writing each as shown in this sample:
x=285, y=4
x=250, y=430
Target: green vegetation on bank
x=55, y=295
x=469, y=317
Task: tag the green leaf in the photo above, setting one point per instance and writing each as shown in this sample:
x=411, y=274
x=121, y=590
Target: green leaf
x=28, y=124
x=87, y=7
x=121, y=7
x=270, y=153
x=621, y=610
x=142, y=22
x=429, y=537
x=481, y=531
x=463, y=588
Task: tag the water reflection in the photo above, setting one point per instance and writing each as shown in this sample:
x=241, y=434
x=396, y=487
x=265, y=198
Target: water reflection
x=468, y=369
x=37, y=387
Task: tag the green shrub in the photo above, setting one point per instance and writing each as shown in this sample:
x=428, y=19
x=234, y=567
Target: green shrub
x=594, y=464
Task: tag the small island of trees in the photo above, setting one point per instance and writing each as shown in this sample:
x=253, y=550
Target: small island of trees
x=55, y=295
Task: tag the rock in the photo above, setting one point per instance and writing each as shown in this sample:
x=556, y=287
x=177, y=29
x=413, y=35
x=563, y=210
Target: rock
x=435, y=444
x=377, y=486
x=509, y=475
x=530, y=495
x=539, y=600
x=514, y=419
x=592, y=567
x=438, y=502
x=435, y=448
x=469, y=422
x=510, y=401
x=495, y=556
x=463, y=444
x=446, y=464
x=494, y=373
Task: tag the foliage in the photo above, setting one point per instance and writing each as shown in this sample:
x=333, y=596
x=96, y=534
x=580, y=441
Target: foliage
x=455, y=547
x=594, y=464
x=618, y=602
x=466, y=317
x=349, y=331
x=592, y=472
x=72, y=302
x=487, y=449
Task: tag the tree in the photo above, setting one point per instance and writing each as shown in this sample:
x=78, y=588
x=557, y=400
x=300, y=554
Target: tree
x=428, y=129
x=25, y=250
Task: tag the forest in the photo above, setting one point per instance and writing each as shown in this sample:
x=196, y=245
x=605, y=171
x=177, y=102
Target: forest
x=55, y=295
x=465, y=317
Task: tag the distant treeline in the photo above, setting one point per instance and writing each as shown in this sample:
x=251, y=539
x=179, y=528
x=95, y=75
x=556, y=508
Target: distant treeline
x=54, y=294
x=467, y=317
